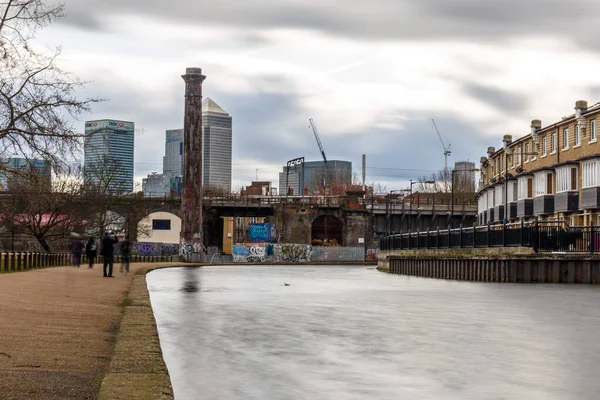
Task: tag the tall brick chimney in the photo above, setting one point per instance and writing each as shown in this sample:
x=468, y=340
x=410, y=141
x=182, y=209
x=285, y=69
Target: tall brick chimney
x=191, y=202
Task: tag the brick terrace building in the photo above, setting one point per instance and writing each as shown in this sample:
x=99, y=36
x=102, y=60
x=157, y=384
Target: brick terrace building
x=553, y=173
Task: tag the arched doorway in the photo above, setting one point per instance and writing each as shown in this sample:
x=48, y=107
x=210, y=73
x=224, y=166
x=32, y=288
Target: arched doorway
x=327, y=227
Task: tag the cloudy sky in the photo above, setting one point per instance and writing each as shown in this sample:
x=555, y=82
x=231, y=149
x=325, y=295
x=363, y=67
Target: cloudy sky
x=371, y=74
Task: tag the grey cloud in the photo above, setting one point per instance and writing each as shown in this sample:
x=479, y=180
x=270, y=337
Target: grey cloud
x=378, y=19
x=498, y=98
x=271, y=128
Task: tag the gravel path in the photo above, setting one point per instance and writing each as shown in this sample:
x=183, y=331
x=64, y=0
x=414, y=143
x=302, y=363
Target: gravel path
x=57, y=331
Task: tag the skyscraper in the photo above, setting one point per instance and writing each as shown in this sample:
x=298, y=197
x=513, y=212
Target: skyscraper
x=173, y=159
x=216, y=123
x=13, y=166
x=311, y=174
x=109, y=145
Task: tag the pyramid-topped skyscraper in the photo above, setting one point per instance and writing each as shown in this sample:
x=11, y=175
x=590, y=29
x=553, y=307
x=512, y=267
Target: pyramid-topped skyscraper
x=217, y=145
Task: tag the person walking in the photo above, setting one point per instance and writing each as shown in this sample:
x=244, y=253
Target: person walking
x=91, y=251
x=125, y=254
x=76, y=250
x=107, y=252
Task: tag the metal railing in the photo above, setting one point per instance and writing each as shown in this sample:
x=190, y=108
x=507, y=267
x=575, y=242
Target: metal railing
x=554, y=236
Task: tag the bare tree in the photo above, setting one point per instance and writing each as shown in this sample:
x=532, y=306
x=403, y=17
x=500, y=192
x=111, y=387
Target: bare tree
x=39, y=209
x=103, y=189
x=37, y=98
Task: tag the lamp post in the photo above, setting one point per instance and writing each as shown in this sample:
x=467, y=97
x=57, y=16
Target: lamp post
x=392, y=207
x=452, y=196
x=410, y=201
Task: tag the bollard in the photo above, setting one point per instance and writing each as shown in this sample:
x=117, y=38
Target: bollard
x=5, y=268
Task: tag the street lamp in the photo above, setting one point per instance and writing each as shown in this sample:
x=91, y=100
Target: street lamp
x=452, y=196
x=410, y=202
x=391, y=207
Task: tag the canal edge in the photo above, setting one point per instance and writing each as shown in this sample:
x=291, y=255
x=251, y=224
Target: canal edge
x=137, y=369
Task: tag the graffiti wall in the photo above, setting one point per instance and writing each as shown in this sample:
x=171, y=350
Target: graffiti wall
x=261, y=233
x=338, y=254
x=261, y=252
x=372, y=255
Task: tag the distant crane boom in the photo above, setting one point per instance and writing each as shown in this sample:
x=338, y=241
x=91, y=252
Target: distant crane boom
x=446, y=147
x=314, y=129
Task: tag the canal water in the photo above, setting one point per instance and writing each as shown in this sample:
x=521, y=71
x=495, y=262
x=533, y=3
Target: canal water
x=352, y=332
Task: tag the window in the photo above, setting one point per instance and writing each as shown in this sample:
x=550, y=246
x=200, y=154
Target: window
x=490, y=200
x=543, y=183
x=566, y=179
x=499, y=195
x=527, y=152
x=161, y=224
x=544, y=146
x=577, y=135
x=519, y=155
x=590, y=174
x=553, y=144
x=513, y=191
x=593, y=134
x=565, y=138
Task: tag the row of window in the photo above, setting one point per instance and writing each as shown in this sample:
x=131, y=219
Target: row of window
x=527, y=153
x=542, y=183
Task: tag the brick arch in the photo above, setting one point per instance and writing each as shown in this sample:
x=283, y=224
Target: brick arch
x=328, y=227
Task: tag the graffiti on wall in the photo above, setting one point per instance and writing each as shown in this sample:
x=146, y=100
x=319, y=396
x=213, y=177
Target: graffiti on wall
x=186, y=249
x=372, y=255
x=261, y=252
x=261, y=233
x=294, y=252
x=338, y=253
x=146, y=249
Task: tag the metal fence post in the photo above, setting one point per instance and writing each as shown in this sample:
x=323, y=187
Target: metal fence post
x=438, y=237
x=592, y=237
x=488, y=234
x=522, y=228
x=427, y=237
x=461, y=236
x=400, y=240
x=449, y=237
x=474, y=234
x=504, y=234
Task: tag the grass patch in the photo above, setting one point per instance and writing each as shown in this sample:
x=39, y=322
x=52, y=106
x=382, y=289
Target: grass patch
x=126, y=302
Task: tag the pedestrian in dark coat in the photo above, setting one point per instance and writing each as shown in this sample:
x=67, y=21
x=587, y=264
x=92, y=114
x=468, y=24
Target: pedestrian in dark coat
x=125, y=254
x=76, y=250
x=91, y=251
x=108, y=252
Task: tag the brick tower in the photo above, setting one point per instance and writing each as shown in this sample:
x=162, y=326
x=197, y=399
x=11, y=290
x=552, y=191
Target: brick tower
x=191, y=203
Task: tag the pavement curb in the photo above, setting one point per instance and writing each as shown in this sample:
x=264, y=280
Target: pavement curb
x=137, y=370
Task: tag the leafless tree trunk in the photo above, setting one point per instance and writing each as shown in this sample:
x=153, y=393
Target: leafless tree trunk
x=39, y=209
x=37, y=98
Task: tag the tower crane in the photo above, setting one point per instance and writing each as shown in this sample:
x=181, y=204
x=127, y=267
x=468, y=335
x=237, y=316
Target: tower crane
x=446, y=147
x=314, y=129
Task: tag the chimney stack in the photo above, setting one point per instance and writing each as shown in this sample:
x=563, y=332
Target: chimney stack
x=580, y=107
x=491, y=150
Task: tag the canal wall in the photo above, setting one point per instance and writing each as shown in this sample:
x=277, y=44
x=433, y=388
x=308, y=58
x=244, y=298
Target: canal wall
x=517, y=264
x=298, y=253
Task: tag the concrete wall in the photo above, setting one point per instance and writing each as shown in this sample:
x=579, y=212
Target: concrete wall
x=496, y=266
x=160, y=236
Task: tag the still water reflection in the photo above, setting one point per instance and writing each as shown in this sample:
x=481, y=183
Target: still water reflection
x=356, y=333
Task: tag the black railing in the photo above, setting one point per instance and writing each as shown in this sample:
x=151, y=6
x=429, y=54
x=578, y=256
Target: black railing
x=541, y=236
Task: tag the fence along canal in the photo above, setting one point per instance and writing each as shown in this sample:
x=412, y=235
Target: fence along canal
x=556, y=236
x=543, y=252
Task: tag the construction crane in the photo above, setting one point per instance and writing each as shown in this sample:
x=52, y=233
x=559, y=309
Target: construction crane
x=446, y=148
x=314, y=129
